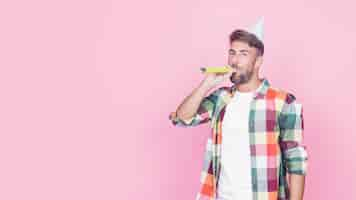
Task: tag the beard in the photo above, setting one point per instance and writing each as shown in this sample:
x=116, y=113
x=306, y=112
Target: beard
x=241, y=78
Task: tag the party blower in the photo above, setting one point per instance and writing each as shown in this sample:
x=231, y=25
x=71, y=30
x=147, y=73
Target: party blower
x=221, y=69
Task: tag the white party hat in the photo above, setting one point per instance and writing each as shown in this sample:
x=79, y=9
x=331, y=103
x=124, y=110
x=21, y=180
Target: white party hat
x=257, y=29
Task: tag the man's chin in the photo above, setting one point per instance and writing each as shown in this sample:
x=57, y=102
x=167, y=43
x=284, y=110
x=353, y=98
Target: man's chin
x=239, y=80
x=235, y=79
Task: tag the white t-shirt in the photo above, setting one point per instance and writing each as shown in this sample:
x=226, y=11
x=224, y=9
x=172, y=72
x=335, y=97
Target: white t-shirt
x=235, y=174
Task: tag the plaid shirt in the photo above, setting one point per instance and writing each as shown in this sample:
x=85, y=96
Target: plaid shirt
x=276, y=140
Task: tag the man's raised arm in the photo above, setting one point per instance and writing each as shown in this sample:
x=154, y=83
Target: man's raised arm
x=197, y=108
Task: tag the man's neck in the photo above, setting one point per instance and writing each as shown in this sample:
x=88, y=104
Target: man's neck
x=250, y=86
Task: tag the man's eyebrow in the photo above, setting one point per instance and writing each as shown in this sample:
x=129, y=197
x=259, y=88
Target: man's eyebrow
x=242, y=50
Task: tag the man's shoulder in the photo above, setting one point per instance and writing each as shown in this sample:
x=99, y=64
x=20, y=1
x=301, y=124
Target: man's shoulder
x=281, y=94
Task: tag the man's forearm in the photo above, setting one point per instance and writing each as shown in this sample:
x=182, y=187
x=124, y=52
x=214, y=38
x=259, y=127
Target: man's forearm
x=190, y=104
x=296, y=186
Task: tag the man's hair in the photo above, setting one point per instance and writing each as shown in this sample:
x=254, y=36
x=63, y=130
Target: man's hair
x=249, y=38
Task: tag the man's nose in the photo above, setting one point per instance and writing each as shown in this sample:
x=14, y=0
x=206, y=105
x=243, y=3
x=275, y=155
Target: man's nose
x=233, y=60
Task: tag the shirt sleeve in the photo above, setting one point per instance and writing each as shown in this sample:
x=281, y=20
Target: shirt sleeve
x=291, y=136
x=203, y=115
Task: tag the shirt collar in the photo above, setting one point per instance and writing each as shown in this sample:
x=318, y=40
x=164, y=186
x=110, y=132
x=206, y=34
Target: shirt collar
x=258, y=93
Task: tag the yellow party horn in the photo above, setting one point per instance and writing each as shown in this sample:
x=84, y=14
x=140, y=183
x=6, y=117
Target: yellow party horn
x=222, y=69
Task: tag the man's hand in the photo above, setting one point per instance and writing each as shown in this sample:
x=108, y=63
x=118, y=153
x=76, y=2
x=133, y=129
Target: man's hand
x=213, y=79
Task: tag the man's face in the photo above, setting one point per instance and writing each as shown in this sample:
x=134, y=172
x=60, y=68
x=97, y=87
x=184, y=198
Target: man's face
x=242, y=57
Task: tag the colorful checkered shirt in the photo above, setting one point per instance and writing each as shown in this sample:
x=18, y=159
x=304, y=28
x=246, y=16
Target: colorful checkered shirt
x=275, y=137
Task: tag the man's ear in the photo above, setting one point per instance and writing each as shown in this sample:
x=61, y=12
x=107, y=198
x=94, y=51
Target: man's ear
x=259, y=61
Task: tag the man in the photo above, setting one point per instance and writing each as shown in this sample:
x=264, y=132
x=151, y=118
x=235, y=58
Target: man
x=257, y=130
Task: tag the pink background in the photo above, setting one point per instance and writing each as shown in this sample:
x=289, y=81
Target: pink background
x=87, y=87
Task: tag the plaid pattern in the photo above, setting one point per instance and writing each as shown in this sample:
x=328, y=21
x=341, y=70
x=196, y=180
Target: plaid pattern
x=276, y=133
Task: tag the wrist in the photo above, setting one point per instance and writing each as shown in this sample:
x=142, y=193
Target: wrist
x=205, y=87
